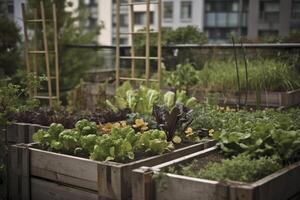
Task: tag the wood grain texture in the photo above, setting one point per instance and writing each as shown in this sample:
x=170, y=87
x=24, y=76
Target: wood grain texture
x=46, y=190
x=281, y=185
x=109, y=180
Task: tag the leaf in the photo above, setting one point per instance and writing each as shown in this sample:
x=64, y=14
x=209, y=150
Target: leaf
x=176, y=139
x=169, y=99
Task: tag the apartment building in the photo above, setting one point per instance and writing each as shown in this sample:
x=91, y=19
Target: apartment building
x=175, y=13
x=217, y=18
x=13, y=10
x=273, y=17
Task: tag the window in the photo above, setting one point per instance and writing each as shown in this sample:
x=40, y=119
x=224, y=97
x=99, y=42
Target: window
x=139, y=18
x=186, y=10
x=296, y=9
x=269, y=11
x=123, y=20
x=221, y=20
x=168, y=10
x=123, y=41
x=211, y=19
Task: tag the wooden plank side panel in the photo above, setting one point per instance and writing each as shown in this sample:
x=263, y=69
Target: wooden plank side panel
x=63, y=168
x=177, y=187
x=13, y=173
x=11, y=132
x=155, y=160
x=46, y=190
x=109, y=181
x=142, y=184
x=279, y=185
x=19, y=185
x=292, y=97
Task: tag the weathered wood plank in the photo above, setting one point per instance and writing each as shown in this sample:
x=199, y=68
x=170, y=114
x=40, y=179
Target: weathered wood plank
x=63, y=168
x=46, y=190
x=189, y=188
x=142, y=184
x=281, y=185
x=110, y=179
x=266, y=99
x=11, y=133
x=19, y=173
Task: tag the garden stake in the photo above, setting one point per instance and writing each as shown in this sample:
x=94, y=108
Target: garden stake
x=237, y=73
x=246, y=71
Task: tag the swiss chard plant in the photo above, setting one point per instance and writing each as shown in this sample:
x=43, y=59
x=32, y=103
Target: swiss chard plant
x=171, y=120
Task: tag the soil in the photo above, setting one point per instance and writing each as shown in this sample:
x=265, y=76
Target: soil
x=196, y=164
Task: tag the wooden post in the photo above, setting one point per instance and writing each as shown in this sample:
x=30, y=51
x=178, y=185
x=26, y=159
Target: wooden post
x=35, y=45
x=147, y=42
x=131, y=28
x=159, y=53
x=56, y=51
x=19, y=173
x=142, y=184
x=26, y=50
x=117, y=43
x=46, y=52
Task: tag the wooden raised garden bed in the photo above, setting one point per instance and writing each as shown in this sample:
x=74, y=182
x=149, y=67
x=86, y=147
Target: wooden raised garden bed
x=38, y=174
x=265, y=99
x=22, y=132
x=281, y=185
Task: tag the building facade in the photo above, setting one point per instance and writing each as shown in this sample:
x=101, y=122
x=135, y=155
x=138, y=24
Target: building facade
x=13, y=10
x=217, y=18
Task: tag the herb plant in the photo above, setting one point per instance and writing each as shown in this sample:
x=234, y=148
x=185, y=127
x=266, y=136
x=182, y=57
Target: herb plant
x=241, y=168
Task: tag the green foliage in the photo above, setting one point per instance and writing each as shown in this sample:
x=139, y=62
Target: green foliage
x=139, y=101
x=185, y=35
x=9, y=52
x=171, y=120
x=121, y=144
x=266, y=74
x=182, y=78
x=143, y=99
x=241, y=168
x=71, y=30
x=153, y=142
x=13, y=97
x=257, y=133
x=85, y=127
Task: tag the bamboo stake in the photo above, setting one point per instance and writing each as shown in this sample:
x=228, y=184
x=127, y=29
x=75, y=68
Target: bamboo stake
x=159, y=53
x=131, y=28
x=117, y=43
x=35, y=47
x=147, y=42
x=56, y=51
x=46, y=52
x=26, y=46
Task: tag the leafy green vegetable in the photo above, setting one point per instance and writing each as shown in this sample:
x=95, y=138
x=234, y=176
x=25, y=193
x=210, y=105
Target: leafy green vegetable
x=123, y=143
x=179, y=117
x=140, y=101
x=86, y=127
x=241, y=168
x=154, y=142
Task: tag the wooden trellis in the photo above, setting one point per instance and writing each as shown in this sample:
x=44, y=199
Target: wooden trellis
x=32, y=67
x=132, y=33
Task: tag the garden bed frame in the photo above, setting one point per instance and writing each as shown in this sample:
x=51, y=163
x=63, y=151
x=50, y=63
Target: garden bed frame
x=265, y=99
x=39, y=174
x=281, y=185
x=22, y=132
